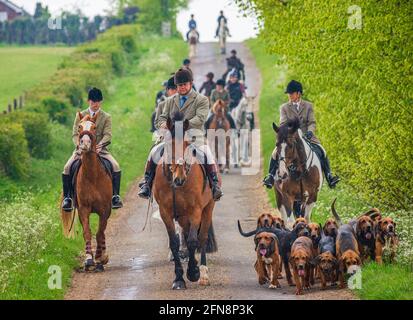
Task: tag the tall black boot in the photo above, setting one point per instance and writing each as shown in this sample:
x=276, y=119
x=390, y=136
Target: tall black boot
x=116, y=200
x=67, y=204
x=146, y=186
x=213, y=177
x=331, y=180
x=270, y=178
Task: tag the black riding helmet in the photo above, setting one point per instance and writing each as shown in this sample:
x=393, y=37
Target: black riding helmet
x=294, y=86
x=221, y=82
x=95, y=95
x=171, y=83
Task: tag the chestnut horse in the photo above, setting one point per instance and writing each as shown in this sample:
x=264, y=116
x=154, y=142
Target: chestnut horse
x=93, y=193
x=299, y=177
x=222, y=127
x=182, y=193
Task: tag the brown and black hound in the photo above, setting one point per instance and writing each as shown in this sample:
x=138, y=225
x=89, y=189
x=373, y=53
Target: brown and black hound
x=315, y=235
x=265, y=220
x=301, y=262
x=386, y=239
x=278, y=222
x=330, y=228
x=326, y=262
x=268, y=259
x=347, y=249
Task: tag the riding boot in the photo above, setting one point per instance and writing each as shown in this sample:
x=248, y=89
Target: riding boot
x=67, y=204
x=213, y=177
x=331, y=180
x=146, y=186
x=269, y=179
x=116, y=200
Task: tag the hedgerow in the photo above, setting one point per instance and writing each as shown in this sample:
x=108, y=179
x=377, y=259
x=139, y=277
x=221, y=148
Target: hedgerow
x=359, y=77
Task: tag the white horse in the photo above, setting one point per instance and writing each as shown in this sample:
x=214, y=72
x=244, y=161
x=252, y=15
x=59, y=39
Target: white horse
x=223, y=33
x=243, y=116
x=193, y=41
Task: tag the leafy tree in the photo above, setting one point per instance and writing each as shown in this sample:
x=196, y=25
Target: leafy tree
x=356, y=64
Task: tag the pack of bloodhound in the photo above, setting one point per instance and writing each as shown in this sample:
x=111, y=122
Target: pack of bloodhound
x=311, y=251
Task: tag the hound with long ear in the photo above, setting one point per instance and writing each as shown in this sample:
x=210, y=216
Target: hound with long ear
x=364, y=229
x=265, y=220
x=386, y=238
x=326, y=262
x=315, y=235
x=300, y=261
x=347, y=249
x=268, y=259
x=278, y=222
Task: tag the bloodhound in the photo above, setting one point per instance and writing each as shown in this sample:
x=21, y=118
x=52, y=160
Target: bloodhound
x=386, y=238
x=278, y=222
x=268, y=259
x=300, y=261
x=330, y=228
x=347, y=249
x=326, y=262
x=315, y=235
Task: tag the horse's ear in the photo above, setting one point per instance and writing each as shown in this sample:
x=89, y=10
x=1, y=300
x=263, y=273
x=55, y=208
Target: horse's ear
x=169, y=123
x=79, y=114
x=186, y=125
x=274, y=126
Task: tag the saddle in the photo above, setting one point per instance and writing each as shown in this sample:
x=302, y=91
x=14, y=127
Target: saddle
x=74, y=170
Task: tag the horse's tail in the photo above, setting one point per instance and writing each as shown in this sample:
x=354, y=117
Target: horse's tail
x=68, y=223
x=211, y=245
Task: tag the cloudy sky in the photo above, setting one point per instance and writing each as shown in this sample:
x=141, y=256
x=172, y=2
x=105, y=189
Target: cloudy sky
x=206, y=13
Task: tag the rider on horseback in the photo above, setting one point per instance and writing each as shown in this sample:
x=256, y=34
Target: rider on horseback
x=209, y=85
x=220, y=18
x=236, y=90
x=299, y=108
x=192, y=25
x=195, y=108
x=103, y=139
x=220, y=93
x=235, y=64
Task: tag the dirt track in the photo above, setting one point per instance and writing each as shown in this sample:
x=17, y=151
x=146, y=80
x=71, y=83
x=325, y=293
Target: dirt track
x=139, y=266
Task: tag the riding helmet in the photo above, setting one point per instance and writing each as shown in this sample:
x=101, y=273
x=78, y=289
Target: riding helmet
x=294, y=86
x=210, y=75
x=171, y=83
x=183, y=75
x=186, y=62
x=95, y=95
x=221, y=82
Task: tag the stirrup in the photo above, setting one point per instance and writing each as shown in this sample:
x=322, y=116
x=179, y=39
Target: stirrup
x=144, y=192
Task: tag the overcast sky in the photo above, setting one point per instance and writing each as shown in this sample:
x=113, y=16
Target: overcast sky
x=206, y=13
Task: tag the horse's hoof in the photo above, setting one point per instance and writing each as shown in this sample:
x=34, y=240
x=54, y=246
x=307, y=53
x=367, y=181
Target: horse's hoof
x=193, y=275
x=99, y=267
x=89, y=265
x=179, y=285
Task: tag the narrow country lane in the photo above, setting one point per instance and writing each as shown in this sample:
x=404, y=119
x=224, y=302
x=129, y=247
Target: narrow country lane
x=139, y=266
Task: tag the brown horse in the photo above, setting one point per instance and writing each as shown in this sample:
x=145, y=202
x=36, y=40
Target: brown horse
x=299, y=176
x=93, y=194
x=222, y=127
x=180, y=188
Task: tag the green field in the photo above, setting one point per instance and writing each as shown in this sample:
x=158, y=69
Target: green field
x=23, y=67
x=130, y=101
x=378, y=282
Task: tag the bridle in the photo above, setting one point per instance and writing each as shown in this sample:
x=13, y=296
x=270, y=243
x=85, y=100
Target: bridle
x=292, y=169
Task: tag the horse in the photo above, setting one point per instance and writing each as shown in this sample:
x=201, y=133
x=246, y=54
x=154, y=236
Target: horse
x=181, y=191
x=93, y=193
x=299, y=177
x=221, y=125
x=193, y=41
x=223, y=33
x=244, y=119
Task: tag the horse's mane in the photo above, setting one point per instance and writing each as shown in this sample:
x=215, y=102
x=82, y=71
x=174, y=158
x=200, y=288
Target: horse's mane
x=291, y=126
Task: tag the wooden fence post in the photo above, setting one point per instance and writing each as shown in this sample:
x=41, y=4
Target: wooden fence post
x=9, y=108
x=20, y=102
x=15, y=104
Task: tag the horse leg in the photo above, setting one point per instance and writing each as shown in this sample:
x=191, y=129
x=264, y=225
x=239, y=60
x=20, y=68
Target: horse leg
x=203, y=238
x=179, y=282
x=308, y=208
x=227, y=154
x=101, y=256
x=84, y=214
x=193, y=244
